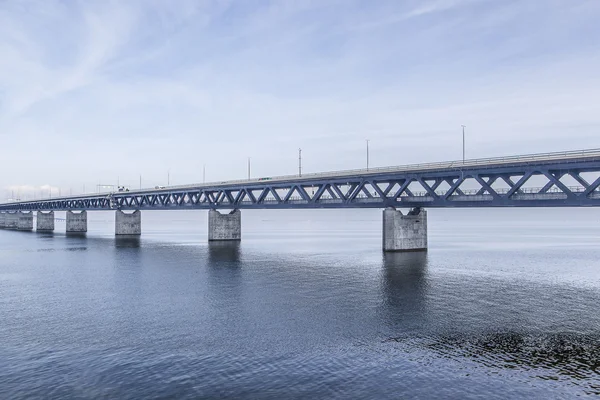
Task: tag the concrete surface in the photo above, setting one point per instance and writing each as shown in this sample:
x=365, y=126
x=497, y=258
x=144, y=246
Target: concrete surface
x=128, y=223
x=12, y=220
x=404, y=232
x=45, y=221
x=25, y=221
x=224, y=226
x=76, y=222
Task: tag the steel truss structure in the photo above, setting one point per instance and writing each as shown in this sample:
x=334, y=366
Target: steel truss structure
x=572, y=180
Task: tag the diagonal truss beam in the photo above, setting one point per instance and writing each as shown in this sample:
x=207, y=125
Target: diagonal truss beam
x=552, y=178
x=515, y=187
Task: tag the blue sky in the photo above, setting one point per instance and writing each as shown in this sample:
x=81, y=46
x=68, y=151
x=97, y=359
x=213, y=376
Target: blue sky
x=95, y=91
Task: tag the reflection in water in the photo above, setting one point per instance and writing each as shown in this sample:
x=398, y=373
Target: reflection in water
x=80, y=235
x=405, y=271
x=299, y=316
x=130, y=241
x=76, y=241
x=224, y=251
x=573, y=357
x=404, y=287
x=224, y=274
x=81, y=248
x=127, y=251
x=45, y=234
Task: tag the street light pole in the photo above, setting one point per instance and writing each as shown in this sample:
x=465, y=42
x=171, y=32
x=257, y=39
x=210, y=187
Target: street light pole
x=299, y=162
x=204, y=173
x=169, y=177
x=367, y=154
x=463, y=132
x=248, y=168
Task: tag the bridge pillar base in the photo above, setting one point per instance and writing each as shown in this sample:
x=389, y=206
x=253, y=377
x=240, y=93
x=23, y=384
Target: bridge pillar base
x=76, y=222
x=2, y=220
x=224, y=226
x=25, y=221
x=12, y=220
x=404, y=232
x=45, y=222
x=128, y=223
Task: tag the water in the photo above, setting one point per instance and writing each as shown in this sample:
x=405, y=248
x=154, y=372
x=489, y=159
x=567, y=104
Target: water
x=504, y=304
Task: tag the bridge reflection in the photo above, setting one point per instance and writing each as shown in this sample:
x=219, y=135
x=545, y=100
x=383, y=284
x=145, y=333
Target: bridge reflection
x=404, y=286
x=227, y=251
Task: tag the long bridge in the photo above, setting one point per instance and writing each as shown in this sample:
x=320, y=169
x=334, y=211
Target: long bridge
x=560, y=179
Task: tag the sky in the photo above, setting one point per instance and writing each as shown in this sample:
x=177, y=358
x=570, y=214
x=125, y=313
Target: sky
x=103, y=92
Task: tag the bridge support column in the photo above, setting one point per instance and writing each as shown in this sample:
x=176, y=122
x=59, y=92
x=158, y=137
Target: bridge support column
x=224, y=226
x=128, y=224
x=25, y=221
x=12, y=221
x=2, y=220
x=404, y=232
x=76, y=222
x=45, y=221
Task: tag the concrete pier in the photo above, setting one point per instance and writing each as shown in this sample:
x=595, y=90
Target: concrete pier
x=224, y=226
x=12, y=220
x=76, y=222
x=404, y=232
x=45, y=221
x=128, y=224
x=2, y=220
x=25, y=221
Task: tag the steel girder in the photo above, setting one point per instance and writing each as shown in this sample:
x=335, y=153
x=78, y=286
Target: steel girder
x=456, y=187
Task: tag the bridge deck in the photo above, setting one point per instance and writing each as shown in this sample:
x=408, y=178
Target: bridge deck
x=472, y=183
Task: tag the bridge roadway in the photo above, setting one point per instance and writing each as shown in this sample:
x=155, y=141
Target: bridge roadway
x=562, y=179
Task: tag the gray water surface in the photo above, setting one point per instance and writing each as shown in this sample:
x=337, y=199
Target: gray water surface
x=504, y=304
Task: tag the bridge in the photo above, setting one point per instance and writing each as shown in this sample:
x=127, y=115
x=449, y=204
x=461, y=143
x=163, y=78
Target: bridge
x=561, y=179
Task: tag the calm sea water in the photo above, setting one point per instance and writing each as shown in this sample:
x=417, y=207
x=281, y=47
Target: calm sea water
x=506, y=304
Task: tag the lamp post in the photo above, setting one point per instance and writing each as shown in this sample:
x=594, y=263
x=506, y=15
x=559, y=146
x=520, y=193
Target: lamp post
x=248, y=168
x=299, y=162
x=367, y=154
x=463, y=142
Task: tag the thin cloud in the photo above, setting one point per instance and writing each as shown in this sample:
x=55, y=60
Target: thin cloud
x=100, y=92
